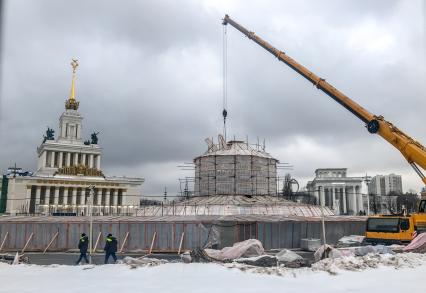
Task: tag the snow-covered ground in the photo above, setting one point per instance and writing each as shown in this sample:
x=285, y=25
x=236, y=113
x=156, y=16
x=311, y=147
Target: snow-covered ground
x=196, y=277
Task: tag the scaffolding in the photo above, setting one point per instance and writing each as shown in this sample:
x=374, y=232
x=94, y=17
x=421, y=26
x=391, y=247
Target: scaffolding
x=235, y=168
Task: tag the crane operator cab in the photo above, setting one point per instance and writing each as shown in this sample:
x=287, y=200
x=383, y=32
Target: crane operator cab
x=389, y=229
x=422, y=206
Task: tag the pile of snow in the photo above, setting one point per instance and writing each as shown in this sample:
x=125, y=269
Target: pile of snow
x=201, y=277
x=339, y=265
x=349, y=241
x=142, y=261
x=286, y=256
x=371, y=260
x=327, y=251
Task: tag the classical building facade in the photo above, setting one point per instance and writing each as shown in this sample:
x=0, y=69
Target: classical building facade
x=333, y=188
x=68, y=169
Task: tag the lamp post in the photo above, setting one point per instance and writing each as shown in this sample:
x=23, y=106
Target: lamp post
x=90, y=213
x=367, y=180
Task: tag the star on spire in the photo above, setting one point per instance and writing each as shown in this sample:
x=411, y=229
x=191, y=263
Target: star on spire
x=71, y=103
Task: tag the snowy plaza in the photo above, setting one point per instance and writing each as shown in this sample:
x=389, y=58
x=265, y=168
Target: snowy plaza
x=198, y=277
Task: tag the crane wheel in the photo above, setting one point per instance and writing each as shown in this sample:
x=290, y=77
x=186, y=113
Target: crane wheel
x=373, y=126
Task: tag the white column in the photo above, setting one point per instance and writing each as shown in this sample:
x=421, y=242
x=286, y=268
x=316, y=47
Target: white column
x=37, y=199
x=115, y=197
x=74, y=196
x=108, y=207
x=359, y=198
x=75, y=159
x=66, y=194
x=83, y=159
x=123, y=198
x=47, y=196
x=46, y=163
x=353, y=206
x=91, y=160
x=322, y=196
x=56, y=200
x=61, y=157
x=68, y=159
x=99, y=197
x=78, y=131
x=333, y=198
x=98, y=162
x=27, y=206
x=52, y=159
x=345, y=210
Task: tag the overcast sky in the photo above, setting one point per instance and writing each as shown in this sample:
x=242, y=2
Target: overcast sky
x=150, y=80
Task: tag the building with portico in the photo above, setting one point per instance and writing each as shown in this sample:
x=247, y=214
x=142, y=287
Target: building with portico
x=68, y=169
x=333, y=188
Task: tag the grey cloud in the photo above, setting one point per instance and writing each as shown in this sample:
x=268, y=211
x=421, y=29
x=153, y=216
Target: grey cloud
x=150, y=80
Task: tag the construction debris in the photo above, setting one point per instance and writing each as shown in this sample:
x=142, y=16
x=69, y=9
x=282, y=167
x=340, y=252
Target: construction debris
x=14, y=259
x=258, y=261
x=310, y=244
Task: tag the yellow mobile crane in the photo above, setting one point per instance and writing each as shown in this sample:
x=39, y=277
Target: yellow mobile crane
x=384, y=228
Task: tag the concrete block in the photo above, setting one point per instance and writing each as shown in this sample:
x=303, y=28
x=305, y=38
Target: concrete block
x=310, y=244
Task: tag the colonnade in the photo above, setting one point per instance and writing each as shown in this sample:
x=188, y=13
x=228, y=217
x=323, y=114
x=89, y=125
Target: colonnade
x=59, y=159
x=344, y=199
x=73, y=198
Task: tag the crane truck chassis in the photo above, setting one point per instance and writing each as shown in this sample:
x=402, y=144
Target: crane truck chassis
x=381, y=228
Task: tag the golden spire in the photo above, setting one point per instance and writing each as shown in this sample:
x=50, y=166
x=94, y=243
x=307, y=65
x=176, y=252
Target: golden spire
x=71, y=103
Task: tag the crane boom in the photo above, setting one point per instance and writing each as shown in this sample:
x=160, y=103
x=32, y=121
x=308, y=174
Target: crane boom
x=413, y=151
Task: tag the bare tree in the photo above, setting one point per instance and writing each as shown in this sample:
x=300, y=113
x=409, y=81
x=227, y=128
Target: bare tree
x=407, y=200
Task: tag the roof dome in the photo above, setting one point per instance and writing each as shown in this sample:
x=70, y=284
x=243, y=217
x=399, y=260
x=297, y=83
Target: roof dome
x=233, y=148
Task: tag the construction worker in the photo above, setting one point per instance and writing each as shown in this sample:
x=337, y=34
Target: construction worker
x=110, y=248
x=83, y=244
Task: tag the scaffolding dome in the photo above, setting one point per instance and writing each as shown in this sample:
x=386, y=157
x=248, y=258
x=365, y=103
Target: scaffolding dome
x=235, y=168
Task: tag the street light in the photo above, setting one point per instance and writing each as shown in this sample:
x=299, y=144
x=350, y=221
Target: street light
x=367, y=180
x=90, y=213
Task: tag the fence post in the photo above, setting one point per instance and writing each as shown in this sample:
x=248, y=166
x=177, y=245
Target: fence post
x=28, y=242
x=51, y=241
x=152, y=242
x=124, y=242
x=4, y=240
x=181, y=242
x=97, y=241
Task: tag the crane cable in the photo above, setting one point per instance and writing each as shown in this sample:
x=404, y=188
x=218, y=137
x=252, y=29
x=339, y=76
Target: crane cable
x=225, y=79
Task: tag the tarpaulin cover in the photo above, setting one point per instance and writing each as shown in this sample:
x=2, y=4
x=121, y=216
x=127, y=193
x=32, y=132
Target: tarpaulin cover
x=418, y=244
x=247, y=248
